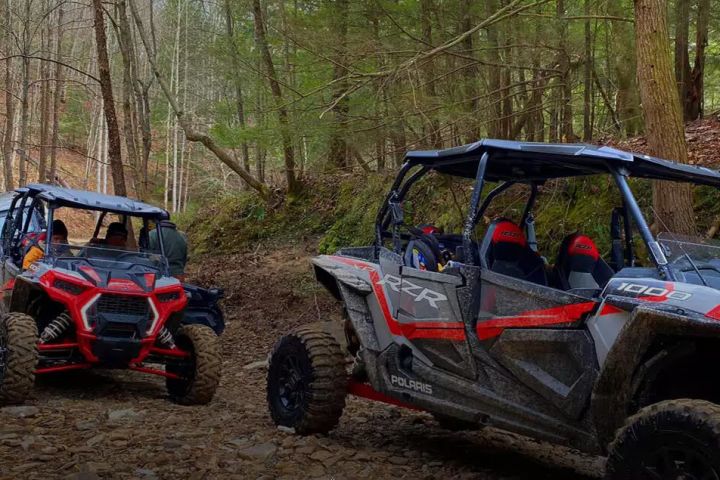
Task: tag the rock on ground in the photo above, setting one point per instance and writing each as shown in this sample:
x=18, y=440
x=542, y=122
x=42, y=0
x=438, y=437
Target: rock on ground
x=119, y=425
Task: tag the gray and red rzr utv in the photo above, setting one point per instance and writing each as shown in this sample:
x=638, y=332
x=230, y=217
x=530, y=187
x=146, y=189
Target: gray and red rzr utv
x=478, y=329
x=109, y=302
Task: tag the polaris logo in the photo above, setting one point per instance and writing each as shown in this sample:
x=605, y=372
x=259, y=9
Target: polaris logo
x=421, y=294
x=408, y=384
x=644, y=290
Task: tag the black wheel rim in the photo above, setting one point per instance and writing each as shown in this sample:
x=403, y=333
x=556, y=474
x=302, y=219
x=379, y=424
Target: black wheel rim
x=292, y=383
x=680, y=462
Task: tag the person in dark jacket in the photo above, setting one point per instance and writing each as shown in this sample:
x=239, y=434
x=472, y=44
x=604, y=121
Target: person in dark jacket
x=175, y=246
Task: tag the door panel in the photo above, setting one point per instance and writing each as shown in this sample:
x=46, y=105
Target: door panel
x=430, y=319
x=507, y=302
x=538, y=335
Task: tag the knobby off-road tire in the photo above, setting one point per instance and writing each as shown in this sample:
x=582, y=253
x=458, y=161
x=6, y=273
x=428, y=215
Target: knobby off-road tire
x=307, y=381
x=18, y=357
x=668, y=440
x=201, y=373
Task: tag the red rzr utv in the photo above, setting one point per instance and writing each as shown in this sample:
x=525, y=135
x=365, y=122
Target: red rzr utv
x=106, y=303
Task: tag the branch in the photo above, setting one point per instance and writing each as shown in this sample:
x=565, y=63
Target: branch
x=192, y=135
x=34, y=57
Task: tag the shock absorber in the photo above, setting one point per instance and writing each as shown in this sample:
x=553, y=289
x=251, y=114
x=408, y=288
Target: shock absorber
x=165, y=338
x=56, y=328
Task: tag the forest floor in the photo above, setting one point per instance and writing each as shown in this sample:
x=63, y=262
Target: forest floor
x=120, y=424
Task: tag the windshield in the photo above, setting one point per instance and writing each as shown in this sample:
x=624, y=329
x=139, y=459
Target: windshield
x=135, y=260
x=693, y=259
x=104, y=240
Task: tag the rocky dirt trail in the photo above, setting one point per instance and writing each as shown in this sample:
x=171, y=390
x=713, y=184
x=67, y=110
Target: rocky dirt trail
x=120, y=425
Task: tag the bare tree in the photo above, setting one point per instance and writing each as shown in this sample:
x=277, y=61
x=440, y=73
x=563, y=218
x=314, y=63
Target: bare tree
x=9, y=101
x=191, y=134
x=262, y=45
x=58, y=96
x=113, y=131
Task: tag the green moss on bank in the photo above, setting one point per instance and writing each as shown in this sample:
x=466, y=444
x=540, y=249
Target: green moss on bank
x=341, y=211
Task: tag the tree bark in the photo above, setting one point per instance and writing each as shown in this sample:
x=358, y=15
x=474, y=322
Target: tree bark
x=7, y=146
x=288, y=150
x=568, y=134
x=44, y=108
x=239, y=101
x=25, y=96
x=128, y=94
x=672, y=203
x=587, y=78
x=58, y=96
x=338, y=148
x=495, y=125
x=682, y=59
x=623, y=63
x=114, y=146
x=696, y=89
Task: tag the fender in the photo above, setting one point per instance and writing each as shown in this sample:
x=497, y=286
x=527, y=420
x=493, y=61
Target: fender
x=346, y=284
x=613, y=391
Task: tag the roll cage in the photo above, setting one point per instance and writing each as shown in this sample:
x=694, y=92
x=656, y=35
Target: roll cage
x=42, y=200
x=511, y=163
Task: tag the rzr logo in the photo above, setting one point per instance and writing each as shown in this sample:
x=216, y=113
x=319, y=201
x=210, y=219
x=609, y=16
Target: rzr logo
x=420, y=293
x=408, y=384
x=646, y=291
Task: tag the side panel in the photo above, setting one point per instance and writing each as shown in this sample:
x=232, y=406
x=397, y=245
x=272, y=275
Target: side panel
x=557, y=364
x=429, y=305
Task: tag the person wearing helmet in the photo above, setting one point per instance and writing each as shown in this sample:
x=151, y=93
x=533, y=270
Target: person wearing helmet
x=58, y=241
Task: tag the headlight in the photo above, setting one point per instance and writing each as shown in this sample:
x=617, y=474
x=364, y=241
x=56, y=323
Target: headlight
x=168, y=297
x=69, y=287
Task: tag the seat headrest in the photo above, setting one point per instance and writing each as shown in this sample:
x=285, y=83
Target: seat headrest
x=505, y=231
x=582, y=245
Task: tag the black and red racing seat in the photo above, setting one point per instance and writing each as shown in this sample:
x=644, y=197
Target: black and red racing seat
x=505, y=250
x=579, y=264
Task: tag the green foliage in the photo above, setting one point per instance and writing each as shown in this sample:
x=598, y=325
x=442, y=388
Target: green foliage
x=340, y=211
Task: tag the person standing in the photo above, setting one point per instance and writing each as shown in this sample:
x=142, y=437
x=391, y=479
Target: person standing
x=174, y=245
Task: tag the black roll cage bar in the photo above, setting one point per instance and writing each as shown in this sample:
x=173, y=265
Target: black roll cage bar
x=10, y=241
x=390, y=212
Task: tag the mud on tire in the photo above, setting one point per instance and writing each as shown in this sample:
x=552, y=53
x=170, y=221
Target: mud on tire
x=668, y=440
x=307, y=381
x=201, y=373
x=18, y=357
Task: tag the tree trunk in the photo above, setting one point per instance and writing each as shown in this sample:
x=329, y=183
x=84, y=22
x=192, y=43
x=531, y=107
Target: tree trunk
x=623, y=64
x=494, y=126
x=673, y=203
x=239, y=102
x=338, y=149
x=7, y=146
x=288, y=150
x=57, y=97
x=25, y=97
x=470, y=80
x=696, y=89
x=587, y=78
x=190, y=134
x=568, y=134
x=682, y=59
x=114, y=146
x=44, y=109
x=128, y=93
